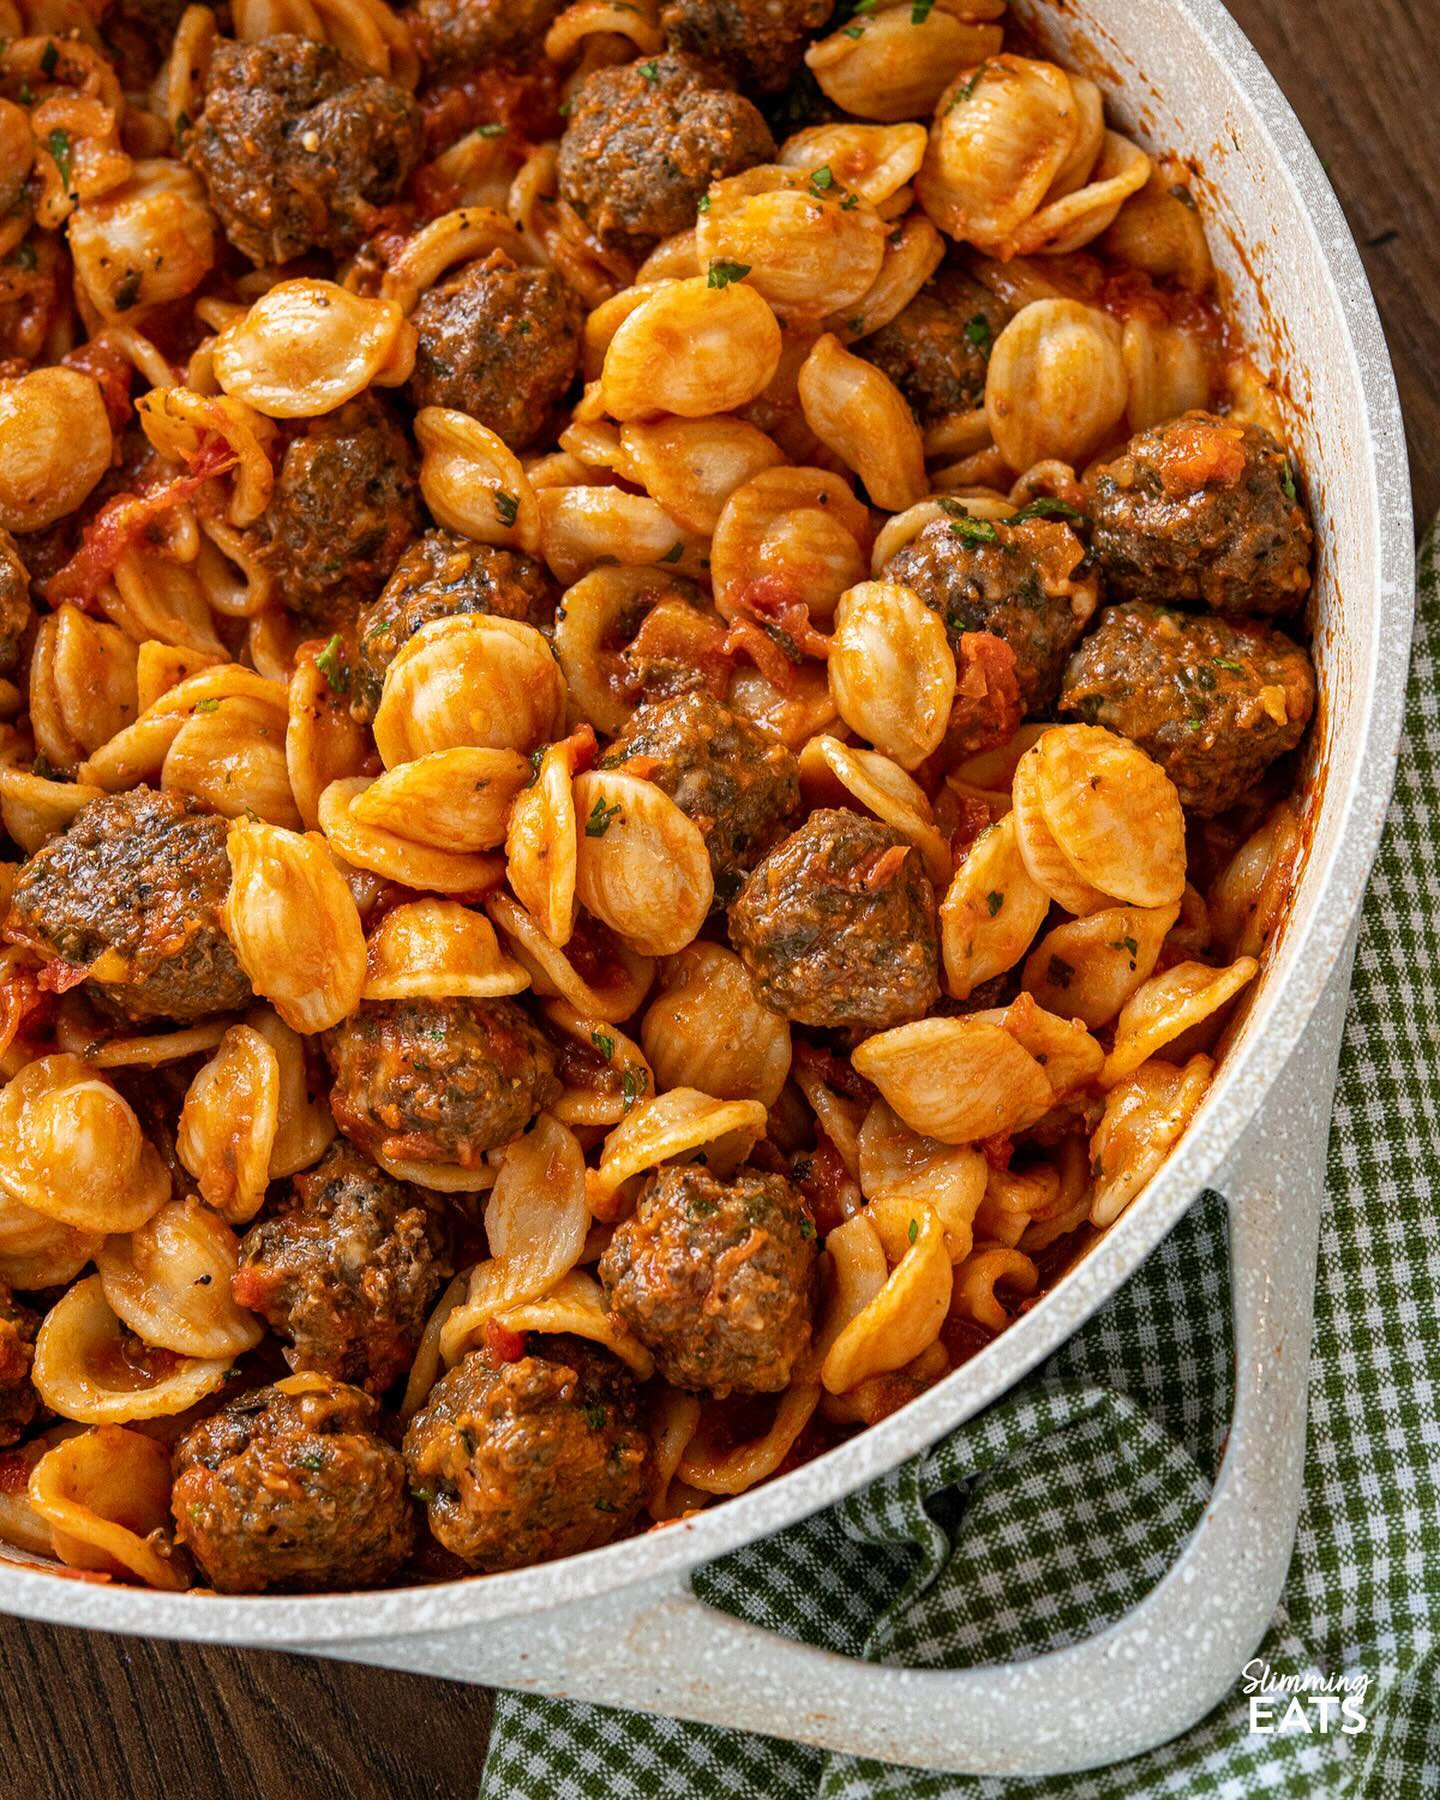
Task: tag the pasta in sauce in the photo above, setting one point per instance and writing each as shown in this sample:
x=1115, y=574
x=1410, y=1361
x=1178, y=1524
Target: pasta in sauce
x=651, y=661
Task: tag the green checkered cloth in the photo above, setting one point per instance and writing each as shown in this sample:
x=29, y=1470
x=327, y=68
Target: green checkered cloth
x=1056, y=1510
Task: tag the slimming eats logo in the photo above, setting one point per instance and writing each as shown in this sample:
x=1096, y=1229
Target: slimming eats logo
x=1314, y=1704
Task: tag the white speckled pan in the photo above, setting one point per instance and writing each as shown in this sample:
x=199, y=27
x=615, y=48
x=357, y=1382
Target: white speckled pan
x=621, y=1625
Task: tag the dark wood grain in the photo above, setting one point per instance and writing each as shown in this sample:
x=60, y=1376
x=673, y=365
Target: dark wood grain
x=92, y=1717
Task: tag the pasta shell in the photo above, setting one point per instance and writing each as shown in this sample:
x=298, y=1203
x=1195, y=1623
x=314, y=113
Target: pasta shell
x=691, y=467
x=72, y=1149
x=1066, y=223
x=306, y=347
x=714, y=1464
x=692, y=348
x=1114, y=814
x=145, y=242
x=229, y=1122
x=35, y=809
x=449, y=800
x=293, y=925
x=1248, y=900
x=1158, y=231
x=1056, y=385
x=1144, y=1117
x=322, y=742
x=541, y=844
x=105, y=1496
x=674, y=1125
x=832, y=773
x=800, y=247
x=1167, y=1005
x=583, y=526
x=395, y=858
x=803, y=527
x=886, y=66
x=892, y=670
x=473, y=482
x=595, y=617
x=791, y=715
x=169, y=1283
x=642, y=866
x=1070, y=1057
x=437, y=950
x=707, y=1028
x=1090, y=967
x=608, y=1077
x=991, y=911
x=897, y=1164
x=306, y=1126
x=137, y=754
x=958, y=1080
x=873, y=161
x=1167, y=371
x=976, y=1280
x=576, y=1304
x=82, y=684
x=36, y=1252
x=905, y=1317
x=233, y=758
x=85, y=1370
x=859, y=414
x=596, y=974
x=1048, y=866
x=913, y=252
x=469, y=679
x=148, y=1051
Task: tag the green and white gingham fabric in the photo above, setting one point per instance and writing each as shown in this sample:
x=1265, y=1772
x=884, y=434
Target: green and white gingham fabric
x=1057, y=1509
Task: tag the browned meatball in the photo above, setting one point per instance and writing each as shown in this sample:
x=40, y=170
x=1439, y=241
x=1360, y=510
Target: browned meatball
x=757, y=43
x=518, y=1462
x=439, y=575
x=19, y=1401
x=438, y=1080
x=937, y=350
x=138, y=880
x=347, y=1271
x=499, y=342
x=17, y=615
x=645, y=141
x=739, y=786
x=1213, y=700
x=838, y=925
x=1026, y=583
x=1200, y=509
x=716, y=1278
x=298, y=144
x=346, y=503
x=458, y=34
x=290, y=1488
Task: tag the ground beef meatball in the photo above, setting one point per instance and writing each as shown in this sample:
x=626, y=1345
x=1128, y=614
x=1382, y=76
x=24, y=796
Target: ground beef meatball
x=439, y=575
x=645, y=141
x=297, y=145
x=1200, y=509
x=347, y=1271
x=838, y=926
x=1026, y=584
x=1213, y=700
x=290, y=1488
x=522, y=1461
x=139, y=879
x=937, y=350
x=438, y=1080
x=19, y=1402
x=499, y=342
x=757, y=43
x=716, y=1278
x=739, y=786
x=17, y=615
x=459, y=34
x=346, y=503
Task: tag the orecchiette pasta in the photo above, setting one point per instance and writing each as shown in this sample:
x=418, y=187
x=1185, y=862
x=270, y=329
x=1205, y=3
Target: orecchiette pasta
x=306, y=347
x=892, y=671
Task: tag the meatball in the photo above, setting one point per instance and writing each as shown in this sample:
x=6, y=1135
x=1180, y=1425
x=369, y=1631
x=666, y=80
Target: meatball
x=499, y=342
x=19, y=1401
x=522, y=1461
x=136, y=885
x=1213, y=700
x=17, y=614
x=937, y=350
x=645, y=141
x=739, y=786
x=298, y=144
x=439, y=575
x=438, y=1080
x=1026, y=584
x=1200, y=509
x=838, y=927
x=346, y=503
x=458, y=34
x=757, y=43
x=347, y=1271
x=716, y=1278
x=291, y=1488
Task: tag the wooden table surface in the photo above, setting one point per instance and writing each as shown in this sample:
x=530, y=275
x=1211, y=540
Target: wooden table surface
x=94, y=1717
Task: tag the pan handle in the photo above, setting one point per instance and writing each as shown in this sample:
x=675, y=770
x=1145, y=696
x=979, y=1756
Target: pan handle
x=656, y=1647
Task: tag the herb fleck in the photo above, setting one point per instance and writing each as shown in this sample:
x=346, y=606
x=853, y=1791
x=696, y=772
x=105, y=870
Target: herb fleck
x=506, y=506
x=207, y=706
x=127, y=291
x=1287, y=481
x=594, y=1417
x=823, y=177
x=974, y=531
x=1059, y=972
x=1046, y=506
x=602, y=817
x=49, y=57
x=807, y=1228
x=703, y=203
x=604, y=1043
x=722, y=273
x=494, y=129
x=633, y=1084
x=920, y=11
x=311, y=1459
x=914, y=1230
x=650, y=70
x=674, y=553
x=1224, y=662
x=962, y=94
x=332, y=668
x=994, y=902
x=59, y=146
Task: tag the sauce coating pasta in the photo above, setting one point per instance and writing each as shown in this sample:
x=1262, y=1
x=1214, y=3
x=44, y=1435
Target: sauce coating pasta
x=652, y=661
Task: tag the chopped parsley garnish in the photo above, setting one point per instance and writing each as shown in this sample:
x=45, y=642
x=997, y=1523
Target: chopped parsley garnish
x=1224, y=662
x=26, y=258
x=332, y=668
x=633, y=1084
x=914, y=1230
x=1059, y=972
x=864, y=6
x=1287, y=481
x=494, y=129
x=857, y=324
x=27, y=94
x=604, y=1043
x=1045, y=507
x=974, y=531
x=674, y=553
x=1182, y=193
x=207, y=706
x=594, y=1417
x=49, y=57
x=423, y=1494
x=722, y=273
x=606, y=1506
x=311, y=1459
x=920, y=11
x=978, y=334
x=127, y=291
x=823, y=177
x=703, y=203
x=962, y=94
x=849, y=203
x=994, y=902
x=650, y=70
x=59, y=145
x=506, y=507
x=182, y=123
x=1194, y=724
x=602, y=817
x=807, y=1228
x=854, y=31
